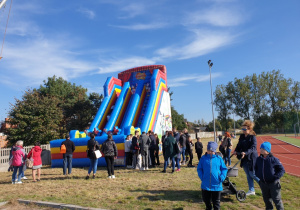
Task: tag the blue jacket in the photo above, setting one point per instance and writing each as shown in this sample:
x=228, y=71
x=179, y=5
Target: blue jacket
x=268, y=169
x=212, y=172
x=248, y=145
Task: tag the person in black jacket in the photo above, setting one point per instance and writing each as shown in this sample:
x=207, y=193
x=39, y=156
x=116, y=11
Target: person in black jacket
x=199, y=148
x=269, y=170
x=109, y=149
x=70, y=148
x=152, y=149
x=246, y=149
x=92, y=146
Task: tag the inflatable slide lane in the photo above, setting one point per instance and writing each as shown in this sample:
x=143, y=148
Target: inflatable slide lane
x=137, y=100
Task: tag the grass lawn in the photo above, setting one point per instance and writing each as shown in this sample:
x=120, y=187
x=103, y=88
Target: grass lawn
x=133, y=189
x=289, y=140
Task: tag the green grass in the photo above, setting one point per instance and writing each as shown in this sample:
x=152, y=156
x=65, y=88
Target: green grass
x=133, y=189
x=289, y=140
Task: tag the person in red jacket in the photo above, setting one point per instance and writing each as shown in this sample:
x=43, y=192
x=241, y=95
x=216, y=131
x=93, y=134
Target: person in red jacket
x=17, y=162
x=35, y=153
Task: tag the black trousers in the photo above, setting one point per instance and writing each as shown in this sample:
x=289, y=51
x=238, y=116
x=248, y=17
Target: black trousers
x=191, y=159
x=199, y=155
x=214, y=196
x=110, y=165
x=157, y=157
x=152, y=157
x=128, y=158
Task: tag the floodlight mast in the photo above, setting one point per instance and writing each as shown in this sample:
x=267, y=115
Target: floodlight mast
x=210, y=64
x=2, y=3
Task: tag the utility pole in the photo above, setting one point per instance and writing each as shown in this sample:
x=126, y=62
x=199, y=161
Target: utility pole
x=210, y=64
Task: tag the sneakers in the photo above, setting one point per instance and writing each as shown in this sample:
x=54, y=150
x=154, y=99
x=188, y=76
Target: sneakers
x=164, y=171
x=142, y=169
x=250, y=193
x=19, y=182
x=87, y=177
x=94, y=176
x=13, y=182
x=113, y=176
x=178, y=169
x=24, y=177
x=109, y=177
x=147, y=168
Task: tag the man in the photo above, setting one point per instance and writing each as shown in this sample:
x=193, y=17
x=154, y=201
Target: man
x=70, y=148
x=144, y=143
x=135, y=149
x=182, y=141
x=152, y=149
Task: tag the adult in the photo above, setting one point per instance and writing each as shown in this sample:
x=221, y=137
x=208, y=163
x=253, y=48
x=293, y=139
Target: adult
x=182, y=141
x=128, y=152
x=109, y=149
x=178, y=156
x=228, y=148
x=199, y=148
x=189, y=151
x=35, y=154
x=152, y=149
x=144, y=143
x=135, y=149
x=157, y=150
x=246, y=150
x=92, y=146
x=169, y=151
x=17, y=162
x=68, y=156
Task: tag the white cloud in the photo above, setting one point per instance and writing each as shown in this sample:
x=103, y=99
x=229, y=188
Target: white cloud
x=204, y=42
x=123, y=64
x=186, y=80
x=133, y=10
x=89, y=13
x=138, y=27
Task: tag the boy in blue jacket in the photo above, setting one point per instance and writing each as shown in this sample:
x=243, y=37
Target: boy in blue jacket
x=212, y=172
x=269, y=170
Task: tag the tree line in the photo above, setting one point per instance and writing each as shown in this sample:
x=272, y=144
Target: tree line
x=269, y=99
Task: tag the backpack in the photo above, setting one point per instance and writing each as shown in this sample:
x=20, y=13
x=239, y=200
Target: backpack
x=63, y=149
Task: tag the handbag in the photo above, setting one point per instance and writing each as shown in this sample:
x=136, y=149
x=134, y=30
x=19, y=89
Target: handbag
x=29, y=162
x=97, y=154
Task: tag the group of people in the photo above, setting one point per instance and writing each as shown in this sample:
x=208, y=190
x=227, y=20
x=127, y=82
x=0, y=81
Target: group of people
x=265, y=169
x=18, y=159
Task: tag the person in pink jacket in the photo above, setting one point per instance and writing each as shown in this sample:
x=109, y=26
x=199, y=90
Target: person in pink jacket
x=18, y=162
x=35, y=153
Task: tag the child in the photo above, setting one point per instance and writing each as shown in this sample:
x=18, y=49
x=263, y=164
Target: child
x=199, y=148
x=189, y=149
x=212, y=172
x=269, y=170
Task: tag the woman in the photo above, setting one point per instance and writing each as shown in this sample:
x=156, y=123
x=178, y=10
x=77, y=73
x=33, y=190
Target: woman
x=246, y=150
x=169, y=151
x=228, y=148
x=109, y=149
x=18, y=157
x=156, y=154
x=35, y=153
x=92, y=145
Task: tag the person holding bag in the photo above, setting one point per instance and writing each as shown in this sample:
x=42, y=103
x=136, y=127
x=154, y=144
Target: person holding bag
x=35, y=154
x=92, y=146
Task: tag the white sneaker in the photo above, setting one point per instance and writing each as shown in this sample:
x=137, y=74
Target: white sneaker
x=142, y=169
x=147, y=168
x=19, y=182
x=13, y=182
x=24, y=177
x=16, y=180
x=250, y=193
x=113, y=176
x=109, y=177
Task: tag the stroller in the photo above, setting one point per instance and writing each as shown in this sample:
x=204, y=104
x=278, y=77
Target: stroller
x=230, y=187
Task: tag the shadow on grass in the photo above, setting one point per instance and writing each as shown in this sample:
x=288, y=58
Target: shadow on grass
x=191, y=196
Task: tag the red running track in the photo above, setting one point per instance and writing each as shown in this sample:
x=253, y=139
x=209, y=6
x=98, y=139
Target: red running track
x=288, y=155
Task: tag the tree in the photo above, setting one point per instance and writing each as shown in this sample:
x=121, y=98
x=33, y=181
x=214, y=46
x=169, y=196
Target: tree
x=178, y=120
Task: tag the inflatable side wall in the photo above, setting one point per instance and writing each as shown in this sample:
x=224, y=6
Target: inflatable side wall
x=137, y=100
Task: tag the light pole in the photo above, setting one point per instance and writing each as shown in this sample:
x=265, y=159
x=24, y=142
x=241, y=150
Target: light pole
x=210, y=64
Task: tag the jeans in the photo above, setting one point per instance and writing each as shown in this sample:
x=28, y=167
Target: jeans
x=250, y=177
x=178, y=162
x=110, y=165
x=214, y=196
x=166, y=163
x=93, y=166
x=67, y=163
x=14, y=175
x=227, y=157
x=183, y=153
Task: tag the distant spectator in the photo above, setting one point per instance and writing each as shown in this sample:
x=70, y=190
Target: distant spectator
x=157, y=150
x=189, y=151
x=199, y=148
x=135, y=147
x=11, y=168
x=109, y=149
x=152, y=149
x=128, y=152
x=220, y=137
x=228, y=148
x=92, y=145
x=182, y=141
x=144, y=141
x=169, y=151
x=35, y=153
x=68, y=156
x=17, y=162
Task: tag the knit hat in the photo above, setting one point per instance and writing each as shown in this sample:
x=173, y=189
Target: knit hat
x=212, y=146
x=266, y=146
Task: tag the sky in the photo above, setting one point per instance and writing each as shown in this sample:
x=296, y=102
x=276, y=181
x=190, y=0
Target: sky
x=85, y=42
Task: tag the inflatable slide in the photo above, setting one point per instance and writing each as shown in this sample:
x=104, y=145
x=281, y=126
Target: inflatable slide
x=137, y=100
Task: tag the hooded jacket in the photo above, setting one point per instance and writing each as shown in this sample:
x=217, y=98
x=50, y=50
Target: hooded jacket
x=18, y=156
x=268, y=169
x=35, y=153
x=212, y=172
x=169, y=149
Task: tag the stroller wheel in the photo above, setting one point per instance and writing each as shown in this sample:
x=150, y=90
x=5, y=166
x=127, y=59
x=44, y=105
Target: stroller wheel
x=241, y=195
